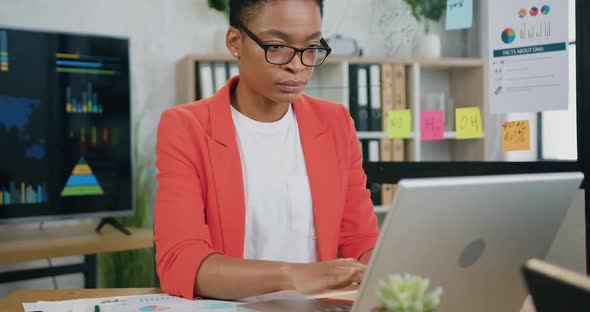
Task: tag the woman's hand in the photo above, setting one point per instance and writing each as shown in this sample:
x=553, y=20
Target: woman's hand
x=315, y=277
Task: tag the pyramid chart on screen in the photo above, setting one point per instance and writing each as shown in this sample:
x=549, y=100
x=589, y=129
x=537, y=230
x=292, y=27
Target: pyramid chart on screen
x=82, y=182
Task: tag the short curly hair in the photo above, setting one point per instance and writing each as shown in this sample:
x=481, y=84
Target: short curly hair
x=240, y=11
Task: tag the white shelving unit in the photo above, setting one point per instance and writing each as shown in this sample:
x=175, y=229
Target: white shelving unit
x=381, y=209
x=462, y=80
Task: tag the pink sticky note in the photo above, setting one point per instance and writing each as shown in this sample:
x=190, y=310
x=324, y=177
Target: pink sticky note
x=432, y=125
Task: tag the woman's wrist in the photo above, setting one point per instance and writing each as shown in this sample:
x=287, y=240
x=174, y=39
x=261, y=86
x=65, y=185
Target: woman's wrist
x=286, y=276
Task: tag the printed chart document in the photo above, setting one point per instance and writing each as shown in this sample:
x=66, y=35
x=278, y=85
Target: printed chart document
x=143, y=303
x=528, y=55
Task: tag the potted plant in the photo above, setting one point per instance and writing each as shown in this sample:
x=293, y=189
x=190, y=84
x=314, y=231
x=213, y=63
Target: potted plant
x=428, y=45
x=220, y=5
x=138, y=264
x=219, y=39
x=407, y=294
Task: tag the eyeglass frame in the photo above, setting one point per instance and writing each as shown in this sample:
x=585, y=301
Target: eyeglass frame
x=266, y=46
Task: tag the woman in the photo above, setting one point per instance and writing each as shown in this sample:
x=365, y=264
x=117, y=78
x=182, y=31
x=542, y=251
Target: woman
x=261, y=186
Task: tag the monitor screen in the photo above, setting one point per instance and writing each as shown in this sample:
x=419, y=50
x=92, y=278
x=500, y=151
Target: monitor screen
x=65, y=135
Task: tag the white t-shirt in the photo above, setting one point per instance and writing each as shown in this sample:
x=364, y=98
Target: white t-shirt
x=279, y=214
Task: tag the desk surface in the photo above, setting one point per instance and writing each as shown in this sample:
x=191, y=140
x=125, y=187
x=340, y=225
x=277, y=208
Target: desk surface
x=13, y=303
x=18, y=245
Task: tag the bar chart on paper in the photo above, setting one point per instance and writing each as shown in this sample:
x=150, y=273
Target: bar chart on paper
x=87, y=103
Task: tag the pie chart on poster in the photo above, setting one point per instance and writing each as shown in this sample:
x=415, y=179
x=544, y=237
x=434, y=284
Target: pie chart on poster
x=545, y=10
x=522, y=13
x=534, y=11
x=508, y=35
x=153, y=308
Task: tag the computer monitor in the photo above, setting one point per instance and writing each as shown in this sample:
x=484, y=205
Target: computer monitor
x=65, y=133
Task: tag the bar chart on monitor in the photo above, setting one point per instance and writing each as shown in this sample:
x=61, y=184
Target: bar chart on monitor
x=77, y=63
x=84, y=102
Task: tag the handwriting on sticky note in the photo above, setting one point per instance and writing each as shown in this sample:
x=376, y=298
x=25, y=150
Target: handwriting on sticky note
x=468, y=123
x=432, y=125
x=516, y=136
x=459, y=14
x=399, y=124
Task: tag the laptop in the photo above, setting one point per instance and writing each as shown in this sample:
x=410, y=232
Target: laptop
x=468, y=235
x=556, y=289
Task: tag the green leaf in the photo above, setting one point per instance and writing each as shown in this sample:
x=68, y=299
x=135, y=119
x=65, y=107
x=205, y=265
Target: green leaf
x=428, y=9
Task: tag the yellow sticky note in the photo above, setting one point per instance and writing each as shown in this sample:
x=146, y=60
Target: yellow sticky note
x=399, y=124
x=516, y=136
x=468, y=123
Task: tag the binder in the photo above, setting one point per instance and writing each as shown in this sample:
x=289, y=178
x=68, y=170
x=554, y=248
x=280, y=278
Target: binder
x=376, y=196
x=220, y=75
x=234, y=70
x=386, y=93
x=375, y=188
x=399, y=102
x=363, y=98
x=375, y=122
x=370, y=150
x=373, y=150
x=365, y=149
x=386, y=155
x=358, y=96
x=205, y=80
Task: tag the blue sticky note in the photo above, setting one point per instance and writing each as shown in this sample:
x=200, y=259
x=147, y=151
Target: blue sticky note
x=459, y=14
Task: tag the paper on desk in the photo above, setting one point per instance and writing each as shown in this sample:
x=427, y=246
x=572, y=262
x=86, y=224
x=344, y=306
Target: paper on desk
x=142, y=303
x=172, y=306
x=30, y=307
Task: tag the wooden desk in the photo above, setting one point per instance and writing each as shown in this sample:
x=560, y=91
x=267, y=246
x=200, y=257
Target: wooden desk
x=18, y=245
x=13, y=303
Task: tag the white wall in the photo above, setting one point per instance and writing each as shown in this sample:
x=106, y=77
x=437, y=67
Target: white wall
x=162, y=32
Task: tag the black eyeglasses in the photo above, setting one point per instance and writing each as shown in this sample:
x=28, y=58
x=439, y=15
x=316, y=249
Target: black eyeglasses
x=281, y=54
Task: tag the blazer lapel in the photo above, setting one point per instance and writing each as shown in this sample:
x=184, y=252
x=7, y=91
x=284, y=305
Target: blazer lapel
x=321, y=163
x=227, y=172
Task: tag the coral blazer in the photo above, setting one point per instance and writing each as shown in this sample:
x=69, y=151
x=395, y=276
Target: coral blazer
x=199, y=205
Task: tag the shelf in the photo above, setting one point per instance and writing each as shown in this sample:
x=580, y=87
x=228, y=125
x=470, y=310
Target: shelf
x=425, y=63
x=381, y=209
x=450, y=135
x=376, y=135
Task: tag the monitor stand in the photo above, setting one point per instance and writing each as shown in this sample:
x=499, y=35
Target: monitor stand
x=114, y=223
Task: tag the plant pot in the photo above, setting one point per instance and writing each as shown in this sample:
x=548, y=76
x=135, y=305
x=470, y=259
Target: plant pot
x=428, y=46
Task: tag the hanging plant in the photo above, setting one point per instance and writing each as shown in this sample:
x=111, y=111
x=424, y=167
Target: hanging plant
x=220, y=5
x=425, y=10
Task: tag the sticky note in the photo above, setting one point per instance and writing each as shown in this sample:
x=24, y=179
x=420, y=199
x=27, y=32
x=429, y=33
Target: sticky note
x=459, y=14
x=516, y=136
x=468, y=123
x=399, y=124
x=432, y=125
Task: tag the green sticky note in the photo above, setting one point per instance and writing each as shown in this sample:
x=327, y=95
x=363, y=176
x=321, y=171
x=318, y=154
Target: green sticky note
x=399, y=124
x=468, y=123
